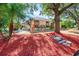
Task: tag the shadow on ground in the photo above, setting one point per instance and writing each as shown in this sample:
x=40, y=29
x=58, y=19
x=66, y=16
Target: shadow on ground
x=38, y=45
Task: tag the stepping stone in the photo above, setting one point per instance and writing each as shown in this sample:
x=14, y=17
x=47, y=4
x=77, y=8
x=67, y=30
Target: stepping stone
x=61, y=40
x=66, y=44
x=56, y=38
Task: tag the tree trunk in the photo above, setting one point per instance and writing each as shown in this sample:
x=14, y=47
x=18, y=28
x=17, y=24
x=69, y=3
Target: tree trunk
x=57, y=23
x=10, y=28
x=58, y=12
x=78, y=24
x=32, y=26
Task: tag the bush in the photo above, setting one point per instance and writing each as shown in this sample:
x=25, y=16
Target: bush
x=67, y=24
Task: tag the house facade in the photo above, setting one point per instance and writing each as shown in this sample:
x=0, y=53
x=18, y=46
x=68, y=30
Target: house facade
x=36, y=23
x=39, y=22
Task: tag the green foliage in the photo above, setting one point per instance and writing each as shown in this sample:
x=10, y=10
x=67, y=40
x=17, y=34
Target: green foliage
x=10, y=12
x=46, y=9
x=67, y=24
x=14, y=11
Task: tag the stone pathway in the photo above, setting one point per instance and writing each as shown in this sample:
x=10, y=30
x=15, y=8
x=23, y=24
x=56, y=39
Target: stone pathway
x=68, y=32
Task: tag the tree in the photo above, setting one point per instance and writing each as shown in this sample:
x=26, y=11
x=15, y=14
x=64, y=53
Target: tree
x=31, y=9
x=3, y=18
x=57, y=10
x=15, y=11
x=74, y=13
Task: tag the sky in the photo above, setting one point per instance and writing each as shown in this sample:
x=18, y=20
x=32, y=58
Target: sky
x=38, y=13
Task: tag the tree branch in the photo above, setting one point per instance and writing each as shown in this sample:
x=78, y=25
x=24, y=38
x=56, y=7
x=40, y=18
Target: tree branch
x=72, y=15
x=76, y=12
x=61, y=11
x=55, y=6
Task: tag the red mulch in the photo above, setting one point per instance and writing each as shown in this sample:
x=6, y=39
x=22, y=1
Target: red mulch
x=38, y=45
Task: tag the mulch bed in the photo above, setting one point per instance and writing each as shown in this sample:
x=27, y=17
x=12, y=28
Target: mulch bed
x=38, y=45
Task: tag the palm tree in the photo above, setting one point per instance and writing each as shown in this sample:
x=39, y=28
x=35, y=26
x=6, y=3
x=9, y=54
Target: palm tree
x=11, y=12
x=15, y=11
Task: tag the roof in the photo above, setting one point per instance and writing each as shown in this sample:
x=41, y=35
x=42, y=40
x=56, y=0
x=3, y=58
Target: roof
x=39, y=18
